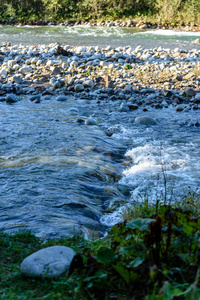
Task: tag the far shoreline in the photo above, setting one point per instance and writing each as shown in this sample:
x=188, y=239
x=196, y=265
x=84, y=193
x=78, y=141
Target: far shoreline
x=129, y=23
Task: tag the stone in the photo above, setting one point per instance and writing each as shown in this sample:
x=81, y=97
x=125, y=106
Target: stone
x=197, y=41
x=145, y=121
x=90, y=121
x=61, y=98
x=190, y=92
x=48, y=262
x=56, y=70
x=25, y=70
x=179, y=77
x=124, y=107
x=128, y=88
x=16, y=79
x=35, y=98
x=180, y=107
x=88, y=84
x=11, y=98
x=78, y=87
x=197, y=97
x=132, y=106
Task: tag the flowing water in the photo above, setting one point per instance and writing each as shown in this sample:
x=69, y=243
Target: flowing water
x=59, y=176
x=102, y=36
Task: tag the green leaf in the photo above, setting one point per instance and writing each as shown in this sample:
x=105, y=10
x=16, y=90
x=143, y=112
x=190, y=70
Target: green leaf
x=122, y=271
x=98, y=275
x=192, y=293
x=137, y=249
x=141, y=224
x=105, y=255
x=171, y=291
x=136, y=262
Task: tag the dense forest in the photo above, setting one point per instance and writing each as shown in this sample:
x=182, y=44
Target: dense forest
x=187, y=11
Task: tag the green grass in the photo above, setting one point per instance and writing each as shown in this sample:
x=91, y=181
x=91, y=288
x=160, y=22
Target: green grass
x=154, y=254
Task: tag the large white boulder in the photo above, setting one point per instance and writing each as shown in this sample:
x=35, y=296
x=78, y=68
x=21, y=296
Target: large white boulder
x=48, y=262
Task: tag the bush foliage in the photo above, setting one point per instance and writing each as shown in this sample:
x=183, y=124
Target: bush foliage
x=163, y=10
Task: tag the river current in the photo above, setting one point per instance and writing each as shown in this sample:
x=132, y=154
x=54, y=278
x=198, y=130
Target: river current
x=59, y=176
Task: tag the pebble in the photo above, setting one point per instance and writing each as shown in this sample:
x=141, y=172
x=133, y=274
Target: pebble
x=49, y=262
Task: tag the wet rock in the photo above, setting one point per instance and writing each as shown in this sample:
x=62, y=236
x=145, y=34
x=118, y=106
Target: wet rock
x=110, y=131
x=90, y=121
x=132, y=106
x=180, y=107
x=11, y=98
x=35, y=98
x=197, y=97
x=62, y=98
x=145, y=121
x=48, y=262
x=124, y=107
x=78, y=87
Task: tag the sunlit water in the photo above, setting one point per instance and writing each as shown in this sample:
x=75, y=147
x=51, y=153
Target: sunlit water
x=60, y=177
x=102, y=36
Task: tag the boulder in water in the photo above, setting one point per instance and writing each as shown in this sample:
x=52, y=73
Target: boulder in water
x=145, y=121
x=11, y=98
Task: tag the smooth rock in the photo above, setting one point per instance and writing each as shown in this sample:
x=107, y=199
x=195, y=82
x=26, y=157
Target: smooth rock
x=90, y=121
x=61, y=98
x=78, y=87
x=88, y=83
x=197, y=97
x=145, y=121
x=48, y=262
x=11, y=98
x=180, y=107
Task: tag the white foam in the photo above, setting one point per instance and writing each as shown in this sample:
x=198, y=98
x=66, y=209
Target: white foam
x=171, y=33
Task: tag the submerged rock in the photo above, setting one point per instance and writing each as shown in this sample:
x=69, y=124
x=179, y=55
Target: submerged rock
x=90, y=121
x=49, y=262
x=145, y=121
x=61, y=98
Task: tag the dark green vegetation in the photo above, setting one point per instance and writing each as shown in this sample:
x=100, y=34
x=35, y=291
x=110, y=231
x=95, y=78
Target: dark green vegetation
x=153, y=255
x=160, y=11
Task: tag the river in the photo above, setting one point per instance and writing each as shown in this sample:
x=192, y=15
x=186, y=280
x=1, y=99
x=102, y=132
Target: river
x=60, y=177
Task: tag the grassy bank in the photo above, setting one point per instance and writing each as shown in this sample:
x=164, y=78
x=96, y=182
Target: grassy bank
x=170, y=12
x=155, y=254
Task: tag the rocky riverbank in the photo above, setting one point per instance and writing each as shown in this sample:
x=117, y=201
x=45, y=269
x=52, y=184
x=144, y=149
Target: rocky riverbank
x=137, y=77
x=141, y=24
